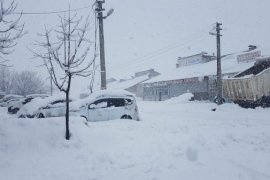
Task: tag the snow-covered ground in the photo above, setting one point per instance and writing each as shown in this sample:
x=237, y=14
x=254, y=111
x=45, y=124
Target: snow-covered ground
x=176, y=139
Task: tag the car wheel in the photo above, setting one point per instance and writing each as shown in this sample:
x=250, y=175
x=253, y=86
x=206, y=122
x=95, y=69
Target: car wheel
x=22, y=116
x=40, y=115
x=10, y=109
x=15, y=110
x=126, y=117
x=85, y=118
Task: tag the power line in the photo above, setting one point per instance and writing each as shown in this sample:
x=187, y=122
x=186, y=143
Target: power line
x=164, y=50
x=147, y=59
x=51, y=12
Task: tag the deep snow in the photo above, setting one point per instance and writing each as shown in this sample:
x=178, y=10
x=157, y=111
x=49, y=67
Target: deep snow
x=175, y=140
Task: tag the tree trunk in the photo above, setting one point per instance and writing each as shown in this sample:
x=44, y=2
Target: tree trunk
x=67, y=109
x=67, y=116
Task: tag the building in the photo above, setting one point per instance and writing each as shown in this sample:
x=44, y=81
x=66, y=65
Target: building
x=151, y=73
x=134, y=84
x=202, y=57
x=110, y=80
x=196, y=74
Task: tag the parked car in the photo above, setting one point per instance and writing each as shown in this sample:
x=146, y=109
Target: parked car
x=108, y=105
x=9, y=99
x=56, y=108
x=53, y=106
x=14, y=108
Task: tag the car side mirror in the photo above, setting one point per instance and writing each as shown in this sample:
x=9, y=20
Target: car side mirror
x=128, y=102
x=92, y=106
x=48, y=106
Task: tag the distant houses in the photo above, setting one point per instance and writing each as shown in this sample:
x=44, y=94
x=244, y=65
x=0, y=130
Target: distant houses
x=202, y=57
x=134, y=83
x=195, y=74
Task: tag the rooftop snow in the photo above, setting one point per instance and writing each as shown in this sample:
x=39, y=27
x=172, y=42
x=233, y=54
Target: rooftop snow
x=229, y=64
x=128, y=83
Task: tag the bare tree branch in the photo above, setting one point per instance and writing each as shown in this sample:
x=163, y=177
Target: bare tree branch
x=66, y=57
x=10, y=30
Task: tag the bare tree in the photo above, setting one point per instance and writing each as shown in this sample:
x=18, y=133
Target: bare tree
x=65, y=57
x=27, y=82
x=23, y=83
x=6, y=79
x=10, y=29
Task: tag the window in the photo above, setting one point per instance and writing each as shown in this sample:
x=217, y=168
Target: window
x=27, y=100
x=117, y=102
x=102, y=103
x=58, y=101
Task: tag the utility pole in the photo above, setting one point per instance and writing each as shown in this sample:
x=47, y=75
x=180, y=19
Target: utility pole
x=219, y=99
x=100, y=17
x=219, y=75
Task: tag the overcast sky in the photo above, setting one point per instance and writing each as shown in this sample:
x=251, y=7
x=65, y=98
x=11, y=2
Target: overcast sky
x=141, y=34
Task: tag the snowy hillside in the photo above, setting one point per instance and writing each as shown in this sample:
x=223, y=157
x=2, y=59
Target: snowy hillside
x=175, y=140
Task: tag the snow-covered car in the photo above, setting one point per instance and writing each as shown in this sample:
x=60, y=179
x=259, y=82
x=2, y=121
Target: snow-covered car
x=14, y=108
x=48, y=107
x=56, y=108
x=9, y=99
x=108, y=105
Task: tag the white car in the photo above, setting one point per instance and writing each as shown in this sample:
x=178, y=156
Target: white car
x=9, y=99
x=108, y=105
x=52, y=106
x=56, y=108
x=15, y=107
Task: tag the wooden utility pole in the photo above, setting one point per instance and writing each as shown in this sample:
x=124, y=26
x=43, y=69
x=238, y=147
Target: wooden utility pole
x=100, y=17
x=219, y=74
x=219, y=98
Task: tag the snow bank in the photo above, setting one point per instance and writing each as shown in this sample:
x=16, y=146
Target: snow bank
x=174, y=141
x=186, y=97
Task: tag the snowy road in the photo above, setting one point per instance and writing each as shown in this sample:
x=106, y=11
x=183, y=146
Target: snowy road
x=175, y=140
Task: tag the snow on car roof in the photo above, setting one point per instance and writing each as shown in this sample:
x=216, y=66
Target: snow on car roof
x=37, y=95
x=12, y=96
x=37, y=103
x=108, y=93
x=101, y=93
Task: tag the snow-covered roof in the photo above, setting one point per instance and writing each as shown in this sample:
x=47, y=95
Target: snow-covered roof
x=128, y=83
x=229, y=64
